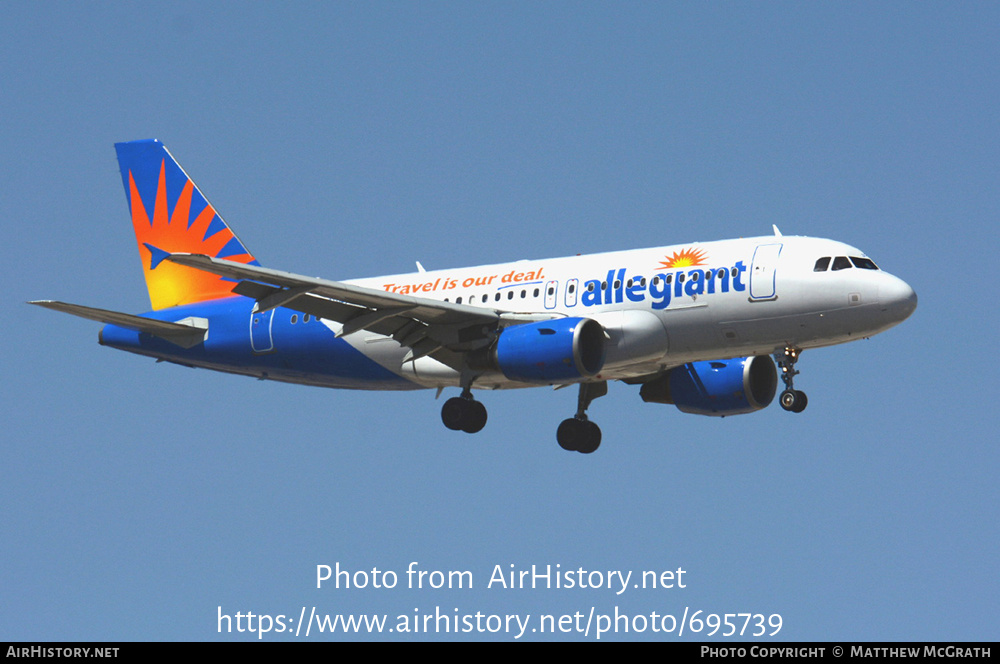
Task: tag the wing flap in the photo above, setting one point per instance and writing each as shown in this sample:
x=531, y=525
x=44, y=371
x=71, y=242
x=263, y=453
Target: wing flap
x=320, y=307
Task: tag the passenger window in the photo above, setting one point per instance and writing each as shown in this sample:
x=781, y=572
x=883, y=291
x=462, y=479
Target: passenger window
x=295, y=319
x=863, y=263
x=841, y=263
x=822, y=264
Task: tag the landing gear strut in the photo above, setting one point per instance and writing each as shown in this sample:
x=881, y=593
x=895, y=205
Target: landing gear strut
x=464, y=413
x=791, y=399
x=579, y=434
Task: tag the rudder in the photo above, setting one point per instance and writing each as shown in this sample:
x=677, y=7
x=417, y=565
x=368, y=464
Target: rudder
x=170, y=214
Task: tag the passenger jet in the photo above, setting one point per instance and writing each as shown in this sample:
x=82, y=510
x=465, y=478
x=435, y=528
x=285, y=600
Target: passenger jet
x=694, y=325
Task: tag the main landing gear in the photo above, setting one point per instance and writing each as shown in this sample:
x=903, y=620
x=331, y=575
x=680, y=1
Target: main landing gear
x=576, y=434
x=579, y=434
x=464, y=413
x=791, y=399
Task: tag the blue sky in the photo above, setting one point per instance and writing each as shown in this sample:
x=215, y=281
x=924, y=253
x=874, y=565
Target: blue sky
x=349, y=140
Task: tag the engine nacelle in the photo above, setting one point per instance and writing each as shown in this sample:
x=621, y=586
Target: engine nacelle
x=719, y=387
x=551, y=351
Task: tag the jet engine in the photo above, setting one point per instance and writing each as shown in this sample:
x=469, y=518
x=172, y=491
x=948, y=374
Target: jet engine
x=563, y=349
x=718, y=387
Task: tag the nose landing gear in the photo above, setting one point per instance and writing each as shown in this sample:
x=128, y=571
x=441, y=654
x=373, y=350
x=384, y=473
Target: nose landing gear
x=791, y=399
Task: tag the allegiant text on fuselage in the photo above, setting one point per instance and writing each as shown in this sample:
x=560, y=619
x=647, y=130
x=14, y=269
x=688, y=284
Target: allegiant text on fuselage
x=661, y=289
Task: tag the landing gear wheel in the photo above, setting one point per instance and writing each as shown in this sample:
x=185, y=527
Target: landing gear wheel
x=569, y=434
x=794, y=401
x=576, y=435
x=592, y=438
x=461, y=414
x=453, y=412
x=475, y=417
x=791, y=399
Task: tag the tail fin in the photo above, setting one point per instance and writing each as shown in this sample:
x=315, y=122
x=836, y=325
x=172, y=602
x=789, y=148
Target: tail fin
x=170, y=214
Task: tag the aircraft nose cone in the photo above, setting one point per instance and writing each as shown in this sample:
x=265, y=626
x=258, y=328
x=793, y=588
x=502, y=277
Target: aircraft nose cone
x=897, y=298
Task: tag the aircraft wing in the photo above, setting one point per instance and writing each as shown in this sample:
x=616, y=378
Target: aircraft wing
x=185, y=334
x=427, y=327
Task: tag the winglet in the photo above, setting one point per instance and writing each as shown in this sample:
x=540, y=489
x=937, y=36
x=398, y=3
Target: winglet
x=156, y=255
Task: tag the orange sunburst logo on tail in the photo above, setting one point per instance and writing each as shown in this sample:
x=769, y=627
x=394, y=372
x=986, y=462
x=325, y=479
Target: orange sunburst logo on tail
x=175, y=230
x=684, y=258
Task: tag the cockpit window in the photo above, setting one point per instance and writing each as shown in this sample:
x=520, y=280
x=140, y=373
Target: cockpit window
x=844, y=263
x=863, y=263
x=841, y=263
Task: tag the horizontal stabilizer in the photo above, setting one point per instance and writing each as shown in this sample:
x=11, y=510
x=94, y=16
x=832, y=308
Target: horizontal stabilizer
x=187, y=334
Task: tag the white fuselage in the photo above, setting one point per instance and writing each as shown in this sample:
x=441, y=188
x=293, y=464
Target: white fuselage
x=665, y=306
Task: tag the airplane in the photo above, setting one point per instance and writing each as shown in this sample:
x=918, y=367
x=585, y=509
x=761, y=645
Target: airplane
x=694, y=325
